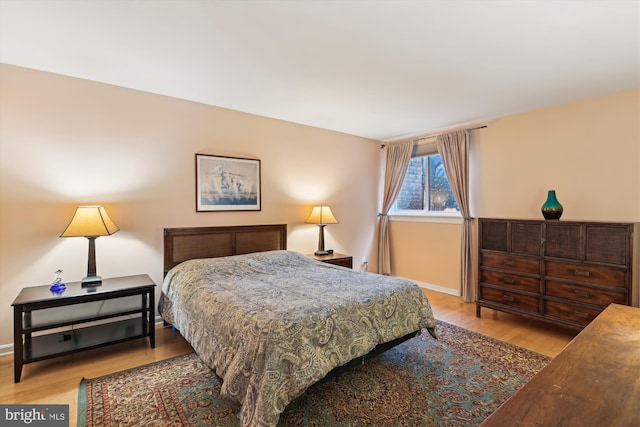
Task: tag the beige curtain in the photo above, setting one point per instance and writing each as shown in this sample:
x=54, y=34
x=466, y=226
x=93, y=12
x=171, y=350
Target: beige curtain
x=454, y=150
x=396, y=164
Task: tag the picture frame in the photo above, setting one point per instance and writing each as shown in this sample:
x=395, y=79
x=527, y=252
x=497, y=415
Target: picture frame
x=227, y=184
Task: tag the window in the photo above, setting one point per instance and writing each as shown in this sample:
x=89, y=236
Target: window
x=426, y=188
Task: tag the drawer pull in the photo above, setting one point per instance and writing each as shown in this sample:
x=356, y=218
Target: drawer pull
x=581, y=314
x=508, y=280
x=509, y=262
x=508, y=298
x=582, y=294
x=583, y=273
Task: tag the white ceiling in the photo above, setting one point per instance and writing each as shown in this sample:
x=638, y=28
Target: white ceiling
x=378, y=69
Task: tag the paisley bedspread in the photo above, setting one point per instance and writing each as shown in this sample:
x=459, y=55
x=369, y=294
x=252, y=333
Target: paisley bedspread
x=273, y=323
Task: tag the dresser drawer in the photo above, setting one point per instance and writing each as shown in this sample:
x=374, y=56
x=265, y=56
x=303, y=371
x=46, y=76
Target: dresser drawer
x=571, y=312
x=510, y=280
x=343, y=262
x=607, y=276
x=577, y=292
x=510, y=262
x=511, y=299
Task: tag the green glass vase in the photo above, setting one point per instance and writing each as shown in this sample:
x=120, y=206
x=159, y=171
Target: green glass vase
x=552, y=209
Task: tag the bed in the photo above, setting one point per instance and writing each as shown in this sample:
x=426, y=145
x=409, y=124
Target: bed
x=272, y=322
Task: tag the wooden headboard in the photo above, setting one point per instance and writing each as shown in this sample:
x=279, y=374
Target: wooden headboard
x=182, y=244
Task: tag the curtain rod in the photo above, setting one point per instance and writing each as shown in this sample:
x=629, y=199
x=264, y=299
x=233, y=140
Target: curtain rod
x=438, y=134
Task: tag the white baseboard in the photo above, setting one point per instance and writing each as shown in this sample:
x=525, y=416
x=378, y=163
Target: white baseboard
x=6, y=349
x=437, y=288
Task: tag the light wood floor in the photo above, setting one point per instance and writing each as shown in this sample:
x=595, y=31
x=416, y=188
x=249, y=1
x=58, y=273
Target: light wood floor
x=56, y=381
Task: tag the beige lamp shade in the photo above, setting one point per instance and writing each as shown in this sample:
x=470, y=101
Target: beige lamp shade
x=90, y=221
x=321, y=215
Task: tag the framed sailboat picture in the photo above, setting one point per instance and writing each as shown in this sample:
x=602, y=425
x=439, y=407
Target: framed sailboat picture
x=227, y=183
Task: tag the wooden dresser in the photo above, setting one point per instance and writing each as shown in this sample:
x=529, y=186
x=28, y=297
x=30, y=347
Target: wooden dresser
x=564, y=272
x=592, y=382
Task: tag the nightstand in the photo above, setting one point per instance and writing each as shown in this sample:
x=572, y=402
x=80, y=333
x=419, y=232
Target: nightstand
x=123, y=305
x=335, y=259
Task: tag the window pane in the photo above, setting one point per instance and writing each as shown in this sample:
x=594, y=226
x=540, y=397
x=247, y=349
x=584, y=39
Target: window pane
x=441, y=197
x=412, y=195
x=426, y=187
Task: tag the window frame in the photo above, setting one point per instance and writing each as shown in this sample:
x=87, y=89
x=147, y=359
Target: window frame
x=424, y=150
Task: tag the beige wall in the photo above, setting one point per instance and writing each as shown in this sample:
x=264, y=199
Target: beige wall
x=588, y=151
x=428, y=253
x=66, y=142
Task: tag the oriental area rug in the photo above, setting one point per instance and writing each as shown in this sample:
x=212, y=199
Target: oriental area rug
x=457, y=380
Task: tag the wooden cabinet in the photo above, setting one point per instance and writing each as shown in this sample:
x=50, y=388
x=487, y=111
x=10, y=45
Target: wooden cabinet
x=592, y=382
x=565, y=272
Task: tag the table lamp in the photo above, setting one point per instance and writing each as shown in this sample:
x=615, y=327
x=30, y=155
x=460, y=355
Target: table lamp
x=321, y=216
x=90, y=222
